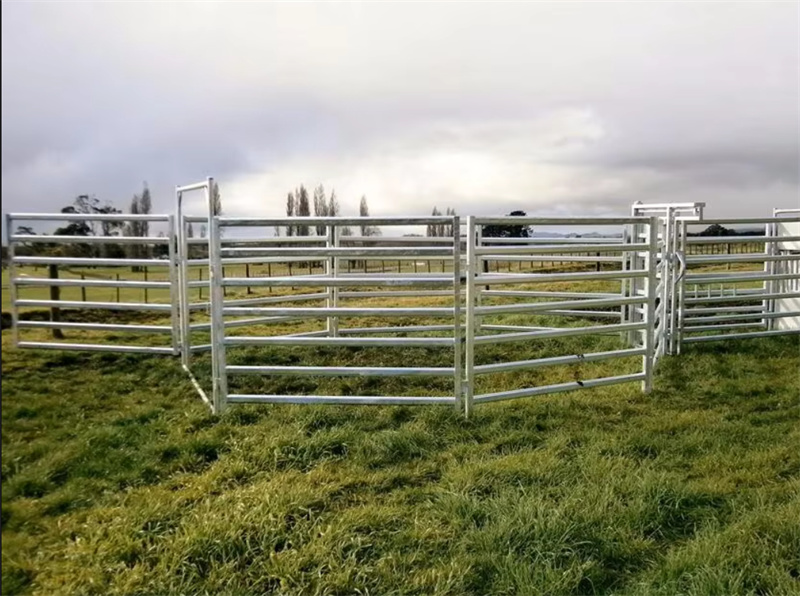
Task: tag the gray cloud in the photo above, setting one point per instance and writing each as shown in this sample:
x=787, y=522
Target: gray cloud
x=554, y=108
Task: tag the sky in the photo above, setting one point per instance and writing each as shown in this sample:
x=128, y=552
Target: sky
x=568, y=108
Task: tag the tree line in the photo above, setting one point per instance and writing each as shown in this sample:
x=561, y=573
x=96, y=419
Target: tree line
x=298, y=205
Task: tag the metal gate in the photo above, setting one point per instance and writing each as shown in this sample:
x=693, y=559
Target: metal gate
x=327, y=290
x=738, y=287
x=141, y=288
x=623, y=307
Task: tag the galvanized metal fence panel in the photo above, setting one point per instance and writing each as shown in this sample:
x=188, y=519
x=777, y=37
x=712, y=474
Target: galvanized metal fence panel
x=333, y=285
x=52, y=251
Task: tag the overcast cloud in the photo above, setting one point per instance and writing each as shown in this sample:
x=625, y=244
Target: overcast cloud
x=553, y=108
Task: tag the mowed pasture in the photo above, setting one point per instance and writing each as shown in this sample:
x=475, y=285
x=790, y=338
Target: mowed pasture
x=117, y=479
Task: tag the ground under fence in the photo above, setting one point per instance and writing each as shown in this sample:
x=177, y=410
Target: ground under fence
x=485, y=309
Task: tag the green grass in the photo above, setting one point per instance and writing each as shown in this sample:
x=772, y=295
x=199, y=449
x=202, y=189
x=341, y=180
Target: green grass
x=117, y=480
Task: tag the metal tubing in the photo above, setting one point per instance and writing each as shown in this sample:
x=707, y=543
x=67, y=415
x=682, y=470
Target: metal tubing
x=220, y=391
x=710, y=278
x=336, y=221
x=95, y=326
x=487, y=251
x=12, y=286
x=566, y=332
x=556, y=361
x=102, y=305
x=758, y=294
x=40, y=345
x=339, y=311
x=378, y=400
x=752, y=334
x=90, y=239
x=500, y=278
x=307, y=281
x=104, y=283
x=306, y=253
x=362, y=342
x=342, y=371
x=457, y=337
x=546, y=389
x=650, y=284
x=547, y=306
x=86, y=217
x=74, y=261
x=468, y=385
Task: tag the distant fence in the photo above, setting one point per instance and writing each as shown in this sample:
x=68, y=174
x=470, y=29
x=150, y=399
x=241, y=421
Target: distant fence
x=641, y=289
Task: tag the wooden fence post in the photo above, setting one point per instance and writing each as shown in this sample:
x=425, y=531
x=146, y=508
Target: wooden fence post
x=55, y=295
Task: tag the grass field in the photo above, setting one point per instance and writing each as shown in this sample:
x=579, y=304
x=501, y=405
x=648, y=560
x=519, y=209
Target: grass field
x=117, y=480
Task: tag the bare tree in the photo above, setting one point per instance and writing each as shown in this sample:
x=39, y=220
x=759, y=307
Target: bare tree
x=290, y=213
x=302, y=209
x=320, y=208
x=363, y=211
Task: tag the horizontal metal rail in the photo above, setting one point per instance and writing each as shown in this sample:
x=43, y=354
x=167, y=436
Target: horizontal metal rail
x=378, y=400
x=742, y=297
x=743, y=221
x=546, y=294
x=748, y=258
x=27, y=238
x=393, y=293
x=341, y=371
x=741, y=317
x=556, y=361
x=334, y=221
x=308, y=281
x=566, y=332
x=559, y=240
x=548, y=249
x=361, y=342
x=99, y=305
x=373, y=253
x=340, y=311
x=719, y=309
x=395, y=329
x=501, y=278
x=94, y=326
x=101, y=283
x=87, y=217
x=752, y=334
x=555, y=221
x=546, y=306
x=711, y=278
x=91, y=262
x=704, y=328
x=40, y=345
x=552, y=258
x=561, y=387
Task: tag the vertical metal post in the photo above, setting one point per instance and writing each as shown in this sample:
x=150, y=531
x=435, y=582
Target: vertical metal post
x=624, y=312
x=328, y=272
x=332, y=270
x=647, y=384
x=667, y=269
x=174, y=286
x=769, y=286
x=469, y=360
x=457, y=335
x=478, y=240
x=219, y=376
x=183, y=279
x=681, y=294
x=12, y=284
